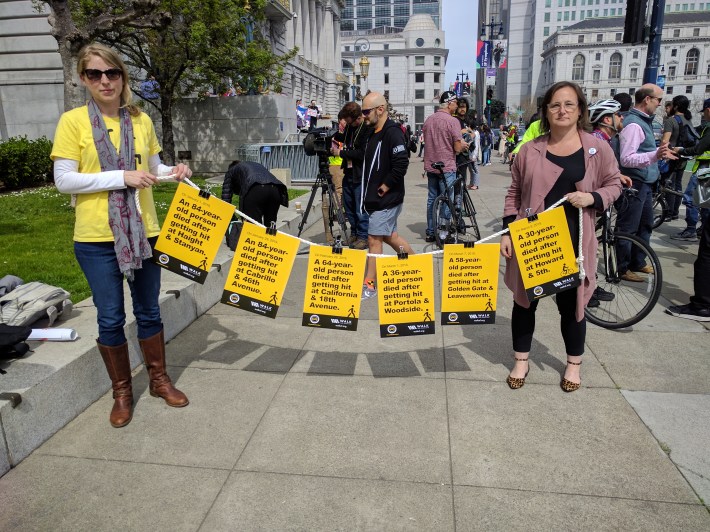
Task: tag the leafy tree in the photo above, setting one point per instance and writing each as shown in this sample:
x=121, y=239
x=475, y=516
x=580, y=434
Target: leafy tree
x=209, y=45
x=72, y=36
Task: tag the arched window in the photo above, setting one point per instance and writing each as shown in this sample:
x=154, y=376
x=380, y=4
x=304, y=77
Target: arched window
x=691, y=62
x=615, y=66
x=578, y=68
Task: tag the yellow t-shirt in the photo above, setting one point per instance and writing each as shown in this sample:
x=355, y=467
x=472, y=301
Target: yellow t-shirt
x=74, y=140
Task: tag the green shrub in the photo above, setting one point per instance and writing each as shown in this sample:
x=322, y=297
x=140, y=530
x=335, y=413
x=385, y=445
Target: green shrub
x=25, y=163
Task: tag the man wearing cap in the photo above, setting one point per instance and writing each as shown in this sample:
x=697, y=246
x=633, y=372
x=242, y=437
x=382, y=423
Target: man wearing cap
x=699, y=307
x=443, y=139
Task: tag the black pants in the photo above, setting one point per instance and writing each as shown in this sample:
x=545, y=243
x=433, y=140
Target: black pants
x=262, y=203
x=573, y=332
x=701, y=277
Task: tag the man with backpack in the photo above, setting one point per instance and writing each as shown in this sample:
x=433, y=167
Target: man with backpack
x=699, y=307
x=678, y=131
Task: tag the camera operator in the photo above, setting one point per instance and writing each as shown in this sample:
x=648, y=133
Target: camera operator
x=354, y=139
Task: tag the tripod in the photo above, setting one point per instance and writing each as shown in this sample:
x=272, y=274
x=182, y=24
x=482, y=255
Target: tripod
x=336, y=214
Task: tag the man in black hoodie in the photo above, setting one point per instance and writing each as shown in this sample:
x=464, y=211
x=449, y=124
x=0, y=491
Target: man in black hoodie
x=384, y=167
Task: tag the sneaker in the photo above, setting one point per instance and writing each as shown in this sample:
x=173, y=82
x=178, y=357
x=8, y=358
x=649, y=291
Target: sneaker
x=645, y=269
x=368, y=292
x=351, y=240
x=632, y=277
x=430, y=238
x=593, y=302
x=689, y=312
x=359, y=243
x=602, y=295
x=688, y=234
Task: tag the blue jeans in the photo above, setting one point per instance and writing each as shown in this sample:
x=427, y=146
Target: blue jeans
x=636, y=219
x=486, y=155
x=359, y=220
x=692, y=213
x=435, y=188
x=475, y=177
x=100, y=266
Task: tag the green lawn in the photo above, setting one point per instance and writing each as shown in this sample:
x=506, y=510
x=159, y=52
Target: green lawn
x=36, y=229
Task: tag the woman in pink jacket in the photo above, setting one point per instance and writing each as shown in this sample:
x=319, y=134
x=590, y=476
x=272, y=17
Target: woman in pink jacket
x=565, y=161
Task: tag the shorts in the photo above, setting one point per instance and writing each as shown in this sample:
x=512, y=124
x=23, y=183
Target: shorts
x=384, y=223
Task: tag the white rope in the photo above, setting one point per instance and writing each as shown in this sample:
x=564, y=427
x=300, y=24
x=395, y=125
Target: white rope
x=580, y=258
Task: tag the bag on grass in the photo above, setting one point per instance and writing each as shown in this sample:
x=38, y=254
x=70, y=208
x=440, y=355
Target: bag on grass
x=33, y=301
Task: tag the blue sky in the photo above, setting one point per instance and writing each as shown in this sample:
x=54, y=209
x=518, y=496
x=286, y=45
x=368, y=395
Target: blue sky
x=460, y=22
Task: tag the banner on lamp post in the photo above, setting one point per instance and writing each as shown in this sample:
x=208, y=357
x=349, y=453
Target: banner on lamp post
x=483, y=54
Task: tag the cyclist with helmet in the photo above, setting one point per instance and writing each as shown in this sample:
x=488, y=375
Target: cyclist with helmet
x=605, y=116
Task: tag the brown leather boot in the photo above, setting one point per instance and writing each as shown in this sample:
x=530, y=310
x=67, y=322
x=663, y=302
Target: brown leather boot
x=118, y=367
x=153, y=349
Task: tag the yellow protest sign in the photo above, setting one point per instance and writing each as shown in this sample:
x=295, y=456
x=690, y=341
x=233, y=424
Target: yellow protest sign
x=333, y=288
x=192, y=233
x=543, y=247
x=405, y=295
x=469, y=284
x=260, y=270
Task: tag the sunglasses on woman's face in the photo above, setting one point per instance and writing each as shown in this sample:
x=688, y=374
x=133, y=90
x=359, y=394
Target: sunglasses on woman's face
x=94, y=74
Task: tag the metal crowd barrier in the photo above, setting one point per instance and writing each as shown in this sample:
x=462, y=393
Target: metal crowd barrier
x=282, y=155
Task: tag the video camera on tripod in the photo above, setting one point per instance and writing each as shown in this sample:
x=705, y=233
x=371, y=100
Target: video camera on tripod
x=318, y=141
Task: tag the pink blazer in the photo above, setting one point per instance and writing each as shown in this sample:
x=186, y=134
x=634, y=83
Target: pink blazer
x=534, y=177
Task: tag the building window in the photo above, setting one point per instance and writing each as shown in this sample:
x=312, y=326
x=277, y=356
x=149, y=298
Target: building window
x=632, y=92
x=545, y=31
x=596, y=75
x=600, y=37
x=566, y=17
x=671, y=73
x=635, y=55
x=615, y=66
x=696, y=32
x=689, y=89
x=559, y=16
x=437, y=60
x=669, y=90
x=674, y=52
x=595, y=93
x=547, y=17
x=598, y=56
x=436, y=77
x=347, y=48
x=548, y=3
x=387, y=61
x=419, y=94
x=708, y=70
x=612, y=92
x=387, y=78
x=676, y=32
x=437, y=42
x=691, y=62
x=418, y=60
x=385, y=46
x=419, y=77
x=419, y=42
x=386, y=94
x=580, y=38
x=578, y=68
x=707, y=89
x=437, y=92
x=634, y=74
x=618, y=36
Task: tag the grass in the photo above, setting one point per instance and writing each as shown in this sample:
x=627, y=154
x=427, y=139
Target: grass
x=36, y=229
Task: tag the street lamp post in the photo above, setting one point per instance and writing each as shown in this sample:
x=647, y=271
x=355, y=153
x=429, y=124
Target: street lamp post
x=361, y=45
x=460, y=85
x=492, y=26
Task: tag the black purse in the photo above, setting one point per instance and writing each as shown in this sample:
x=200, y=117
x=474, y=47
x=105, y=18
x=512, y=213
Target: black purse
x=233, y=232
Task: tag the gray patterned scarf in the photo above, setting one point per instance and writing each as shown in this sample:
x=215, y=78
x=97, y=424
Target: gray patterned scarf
x=126, y=224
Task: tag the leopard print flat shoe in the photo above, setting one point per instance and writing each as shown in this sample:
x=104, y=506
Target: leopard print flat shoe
x=569, y=386
x=516, y=383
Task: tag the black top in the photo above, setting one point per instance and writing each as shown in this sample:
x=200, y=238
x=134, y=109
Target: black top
x=385, y=161
x=572, y=172
x=241, y=177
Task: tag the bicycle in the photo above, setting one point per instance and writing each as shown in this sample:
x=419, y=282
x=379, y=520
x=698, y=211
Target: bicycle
x=628, y=302
x=660, y=202
x=461, y=226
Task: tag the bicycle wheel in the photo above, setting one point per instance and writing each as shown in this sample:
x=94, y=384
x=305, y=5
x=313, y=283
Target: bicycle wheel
x=468, y=227
x=444, y=229
x=632, y=301
x=660, y=210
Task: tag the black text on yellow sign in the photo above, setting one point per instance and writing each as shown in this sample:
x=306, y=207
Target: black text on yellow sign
x=333, y=288
x=260, y=270
x=469, y=285
x=405, y=295
x=543, y=248
x=192, y=233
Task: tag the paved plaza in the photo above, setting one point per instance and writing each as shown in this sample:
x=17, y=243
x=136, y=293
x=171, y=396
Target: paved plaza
x=295, y=428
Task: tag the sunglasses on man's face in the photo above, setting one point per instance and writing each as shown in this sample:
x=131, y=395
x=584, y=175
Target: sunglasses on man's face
x=366, y=112
x=94, y=74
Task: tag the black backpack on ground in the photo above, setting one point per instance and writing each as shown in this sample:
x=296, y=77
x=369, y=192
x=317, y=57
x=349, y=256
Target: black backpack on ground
x=12, y=341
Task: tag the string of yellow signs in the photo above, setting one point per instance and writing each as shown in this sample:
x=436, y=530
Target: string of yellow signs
x=263, y=259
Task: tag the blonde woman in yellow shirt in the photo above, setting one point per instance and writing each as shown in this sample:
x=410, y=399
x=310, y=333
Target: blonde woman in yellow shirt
x=105, y=154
